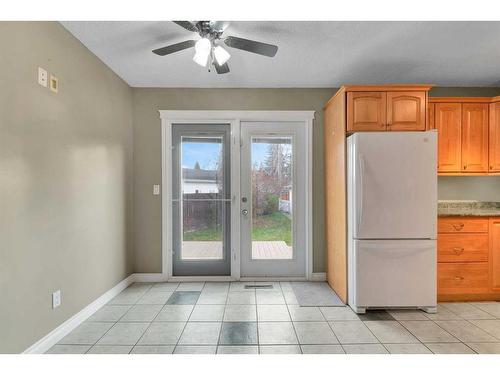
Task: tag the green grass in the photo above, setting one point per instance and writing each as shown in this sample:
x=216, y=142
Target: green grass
x=273, y=227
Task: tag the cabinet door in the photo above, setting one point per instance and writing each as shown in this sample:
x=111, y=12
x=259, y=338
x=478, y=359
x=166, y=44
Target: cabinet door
x=405, y=110
x=448, y=122
x=474, y=137
x=494, y=149
x=495, y=253
x=366, y=111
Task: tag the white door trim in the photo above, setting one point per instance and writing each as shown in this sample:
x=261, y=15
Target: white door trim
x=234, y=118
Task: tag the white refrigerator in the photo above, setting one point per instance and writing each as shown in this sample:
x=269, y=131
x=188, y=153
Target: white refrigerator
x=392, y=220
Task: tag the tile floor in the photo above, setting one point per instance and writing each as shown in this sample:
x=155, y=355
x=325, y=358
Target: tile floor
x=226, y=318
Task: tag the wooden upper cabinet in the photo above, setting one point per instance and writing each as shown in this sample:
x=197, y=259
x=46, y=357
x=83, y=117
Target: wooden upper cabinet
x=494, y=148
x=366, y=111
x=431, y=123
x=495, y=254
x=448, y=120
x=406, y=110
x=474, y=137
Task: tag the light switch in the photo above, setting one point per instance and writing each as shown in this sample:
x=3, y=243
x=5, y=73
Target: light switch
x=156, y=189
x=42, y=77
x=56, y=299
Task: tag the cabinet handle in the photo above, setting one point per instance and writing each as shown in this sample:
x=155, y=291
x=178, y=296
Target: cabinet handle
x=465, y=167
x=458, y=250
x=458, y=278
x=458, y=226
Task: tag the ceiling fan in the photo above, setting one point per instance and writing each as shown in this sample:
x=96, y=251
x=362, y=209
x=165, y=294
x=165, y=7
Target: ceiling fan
x=208, y=49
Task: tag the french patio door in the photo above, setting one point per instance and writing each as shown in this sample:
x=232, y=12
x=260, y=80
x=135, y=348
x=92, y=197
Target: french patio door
x=201, y=200
x=273, y=199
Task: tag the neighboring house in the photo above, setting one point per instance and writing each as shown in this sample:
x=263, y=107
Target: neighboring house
x=197, y=181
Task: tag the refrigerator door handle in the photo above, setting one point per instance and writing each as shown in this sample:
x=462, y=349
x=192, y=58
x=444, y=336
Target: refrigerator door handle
x=361, y=168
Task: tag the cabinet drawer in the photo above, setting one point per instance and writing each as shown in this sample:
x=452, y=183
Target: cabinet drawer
x=462, y=225
x=462, y=278
x=462, y=247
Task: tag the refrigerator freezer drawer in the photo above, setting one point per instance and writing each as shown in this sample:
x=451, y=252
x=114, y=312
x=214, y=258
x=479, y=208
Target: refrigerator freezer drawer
x=394, y=273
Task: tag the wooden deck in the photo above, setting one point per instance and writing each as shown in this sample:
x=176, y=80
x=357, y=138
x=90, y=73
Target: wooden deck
x=198, y=250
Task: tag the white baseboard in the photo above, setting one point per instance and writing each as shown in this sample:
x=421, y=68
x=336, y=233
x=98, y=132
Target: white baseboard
x=318, y=276
x=149, y=278
x=46, y=342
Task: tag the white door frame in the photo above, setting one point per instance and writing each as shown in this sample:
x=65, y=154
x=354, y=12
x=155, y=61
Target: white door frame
x=234, y=119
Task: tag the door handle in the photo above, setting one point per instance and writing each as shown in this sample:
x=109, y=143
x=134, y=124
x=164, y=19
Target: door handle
x=458, y=250
x=244, y=212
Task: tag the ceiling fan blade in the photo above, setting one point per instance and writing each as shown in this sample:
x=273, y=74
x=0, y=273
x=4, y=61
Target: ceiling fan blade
x=251, y=46
x=219, y=25
x=187, y=25
x=174, y=48
x=221, y=69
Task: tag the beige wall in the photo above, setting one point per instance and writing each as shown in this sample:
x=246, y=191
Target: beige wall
x=147, y=153
x=481, y=188
x=65, y=181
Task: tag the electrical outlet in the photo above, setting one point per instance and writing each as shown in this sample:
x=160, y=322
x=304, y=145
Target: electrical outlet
x=56, y=299
x=42, y=77
x=156, y=189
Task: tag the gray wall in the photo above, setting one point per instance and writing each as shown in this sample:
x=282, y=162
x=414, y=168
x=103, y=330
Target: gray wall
x=65, y=180
x=147, y=154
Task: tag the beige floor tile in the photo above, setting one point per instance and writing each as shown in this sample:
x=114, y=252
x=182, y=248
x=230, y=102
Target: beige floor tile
x=390, y=332
x=305, y=314
x=279, y=349
x=322, y=349
x=352, y=332
x=338, y=313
x=276, y=333
x=428, y=331
x=486, y=347
x=415, y=348
x=242, y=349
x=489, y=326
x=194, y=349
x=449, y=348
x=467, y=310
x=240, y=313
x=365, y=349
x=314, y=333
x=273, y=313
x=466, y=331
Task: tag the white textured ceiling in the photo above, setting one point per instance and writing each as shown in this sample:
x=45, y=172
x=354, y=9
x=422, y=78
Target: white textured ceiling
x=311, y=54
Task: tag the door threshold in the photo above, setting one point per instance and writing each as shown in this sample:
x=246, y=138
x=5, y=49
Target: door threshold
x=201, y=278
x=274, y=278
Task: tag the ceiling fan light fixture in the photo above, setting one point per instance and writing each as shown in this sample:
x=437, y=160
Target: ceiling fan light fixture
x=221, y=55
x=202, y=48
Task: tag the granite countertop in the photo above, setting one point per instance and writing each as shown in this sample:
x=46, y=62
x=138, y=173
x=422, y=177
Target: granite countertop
x=468, y=208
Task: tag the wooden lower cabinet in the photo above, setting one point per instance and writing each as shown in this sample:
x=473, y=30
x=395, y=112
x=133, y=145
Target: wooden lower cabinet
x=495, y=254
x=462, y=278
x=468, y=258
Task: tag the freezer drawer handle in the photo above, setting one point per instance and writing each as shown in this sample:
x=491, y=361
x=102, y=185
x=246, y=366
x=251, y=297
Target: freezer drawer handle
x=458, y=226
x=458, y=278
x=458, y=250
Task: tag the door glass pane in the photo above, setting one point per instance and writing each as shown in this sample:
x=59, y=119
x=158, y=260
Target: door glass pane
x=272, y=195
x=203, y=206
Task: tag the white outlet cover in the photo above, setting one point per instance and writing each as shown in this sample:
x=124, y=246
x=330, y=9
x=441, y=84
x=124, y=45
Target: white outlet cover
x=56, y=299
x=156, y=189
x=42, y=77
